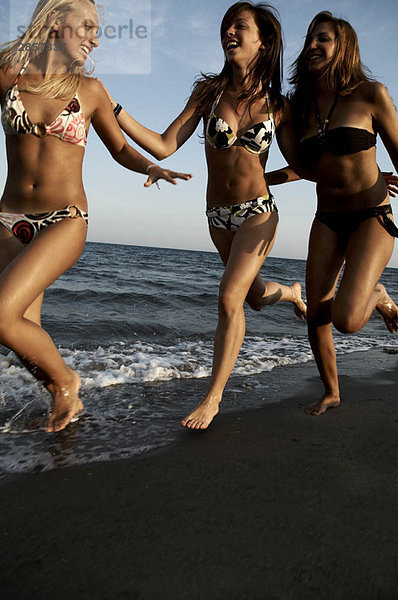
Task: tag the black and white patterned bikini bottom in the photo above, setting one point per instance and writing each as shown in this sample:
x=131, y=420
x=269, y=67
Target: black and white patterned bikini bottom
x=232, y=217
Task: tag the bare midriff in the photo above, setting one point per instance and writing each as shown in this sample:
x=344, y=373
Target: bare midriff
x=349, y=182
x=235, y=176
x=44, y=174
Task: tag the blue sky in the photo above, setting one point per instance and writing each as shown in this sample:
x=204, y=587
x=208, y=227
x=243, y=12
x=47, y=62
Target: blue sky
x=151, y=74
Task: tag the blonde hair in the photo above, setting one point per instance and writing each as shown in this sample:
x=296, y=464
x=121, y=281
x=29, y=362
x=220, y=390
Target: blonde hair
x=36, y=38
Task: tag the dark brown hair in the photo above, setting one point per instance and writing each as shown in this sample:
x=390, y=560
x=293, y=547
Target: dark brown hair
x=344, y=73
x=265, y=72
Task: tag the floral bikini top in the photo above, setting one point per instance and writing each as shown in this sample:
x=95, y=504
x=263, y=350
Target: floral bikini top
x=69, y=126
x=257, y=139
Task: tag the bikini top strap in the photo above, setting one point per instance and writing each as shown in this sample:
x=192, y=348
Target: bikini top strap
x=269, y=107
x=215, y=103
x=21, y=72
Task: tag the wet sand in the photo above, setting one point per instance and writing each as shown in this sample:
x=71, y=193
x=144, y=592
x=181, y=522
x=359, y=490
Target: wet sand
x=267, y=504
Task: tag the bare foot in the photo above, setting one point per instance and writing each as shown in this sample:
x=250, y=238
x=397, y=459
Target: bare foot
x=300, y=307
x=67, y=404
x=203, y=414
x=328, y=400
x=388, y=309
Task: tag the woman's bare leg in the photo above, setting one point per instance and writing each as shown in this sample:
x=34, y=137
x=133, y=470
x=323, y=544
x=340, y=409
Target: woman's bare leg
x=10, y=248
x=324, y=263
x=367, y=254
x=22, y=283
x=243, y=253
x=265, y=293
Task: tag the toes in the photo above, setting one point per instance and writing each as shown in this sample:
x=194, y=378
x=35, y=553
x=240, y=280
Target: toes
x=50, y=424
x=59, y=422
x=63, y=420
x=194, y=424
x=315, y=410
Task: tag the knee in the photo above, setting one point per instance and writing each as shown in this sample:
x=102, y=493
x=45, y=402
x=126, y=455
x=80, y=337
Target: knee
x=6, y=320
x=255, y=304
x=318, y=315
x=5, y=328
x=229, y=302
x=346, y=318
x=345, y=323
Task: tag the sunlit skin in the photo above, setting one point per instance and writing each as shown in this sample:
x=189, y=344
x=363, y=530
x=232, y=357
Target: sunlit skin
x=347, y=183
x=320, y=51
x=45, y=174
x=77, y=35
x=234, y=176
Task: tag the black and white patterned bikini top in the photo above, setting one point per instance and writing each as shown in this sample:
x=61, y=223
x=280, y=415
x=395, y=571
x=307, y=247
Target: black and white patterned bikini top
x=257, y=139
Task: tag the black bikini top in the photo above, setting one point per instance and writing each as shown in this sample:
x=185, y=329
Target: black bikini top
x=338, y=141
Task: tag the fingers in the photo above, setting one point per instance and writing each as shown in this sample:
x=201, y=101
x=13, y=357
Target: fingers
x=150, y=181
x=167, y=175
x=184, y=176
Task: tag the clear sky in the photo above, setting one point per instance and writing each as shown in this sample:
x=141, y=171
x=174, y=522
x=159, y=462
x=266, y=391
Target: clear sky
x=149, y=56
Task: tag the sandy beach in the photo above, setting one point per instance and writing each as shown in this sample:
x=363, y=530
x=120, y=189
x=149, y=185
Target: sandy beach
x=267, y=504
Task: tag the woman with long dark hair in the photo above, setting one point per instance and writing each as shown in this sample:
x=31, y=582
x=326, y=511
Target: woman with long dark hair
x=242, y=108
x=338, y=110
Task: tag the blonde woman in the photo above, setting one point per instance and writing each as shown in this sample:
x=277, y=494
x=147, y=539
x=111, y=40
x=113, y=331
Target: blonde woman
x=47, y=107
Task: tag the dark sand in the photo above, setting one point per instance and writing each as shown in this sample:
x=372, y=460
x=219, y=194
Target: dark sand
x=267, y=504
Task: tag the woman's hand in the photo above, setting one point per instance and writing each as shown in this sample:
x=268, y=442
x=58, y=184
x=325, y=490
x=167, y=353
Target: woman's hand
x=155, y=172
x=391, y=183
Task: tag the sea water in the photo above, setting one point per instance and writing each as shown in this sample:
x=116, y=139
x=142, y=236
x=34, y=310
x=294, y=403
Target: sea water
x=137, y=323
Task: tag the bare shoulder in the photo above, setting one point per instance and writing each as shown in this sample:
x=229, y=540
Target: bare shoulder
x=284, y=114
x=198, y=90
x=7, y=76
x=90, y=85
x=3, y=80
x=92, y=91
x=92, y=95
x=374, y=92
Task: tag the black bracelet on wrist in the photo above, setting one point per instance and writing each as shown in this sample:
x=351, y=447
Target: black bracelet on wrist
x=117, y=109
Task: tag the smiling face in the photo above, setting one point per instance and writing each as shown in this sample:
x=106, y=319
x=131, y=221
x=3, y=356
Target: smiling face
x=321, y=49
x=77, y=33
x=241, y=39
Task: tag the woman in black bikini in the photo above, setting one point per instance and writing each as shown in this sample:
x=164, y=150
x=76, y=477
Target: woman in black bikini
x=43, y=209
x=338, y=111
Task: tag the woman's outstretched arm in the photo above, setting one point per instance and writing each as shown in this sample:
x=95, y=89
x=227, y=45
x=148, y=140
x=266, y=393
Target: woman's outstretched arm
x=283, y=175
x=109, y=131
x=385, y=115
x=161, y=145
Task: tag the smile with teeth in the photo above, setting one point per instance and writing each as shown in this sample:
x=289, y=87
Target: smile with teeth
x=232, y=45
x=86, y=50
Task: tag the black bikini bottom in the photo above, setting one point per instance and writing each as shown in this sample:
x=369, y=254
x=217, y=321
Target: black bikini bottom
x=343, y=224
